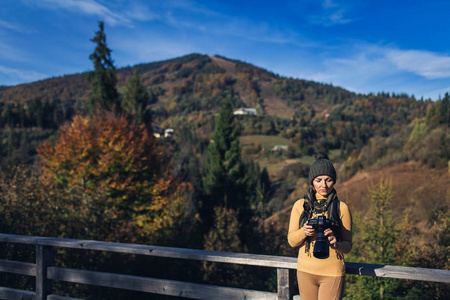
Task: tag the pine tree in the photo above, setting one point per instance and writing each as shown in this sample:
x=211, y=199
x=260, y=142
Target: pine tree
x=444, y=111
x=104, y=94
x=264, y=187
x=225, y=181
x=135, y=100
x=382, y=241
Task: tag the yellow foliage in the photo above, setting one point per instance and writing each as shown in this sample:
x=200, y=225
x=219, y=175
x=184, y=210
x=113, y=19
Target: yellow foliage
x=121, y=160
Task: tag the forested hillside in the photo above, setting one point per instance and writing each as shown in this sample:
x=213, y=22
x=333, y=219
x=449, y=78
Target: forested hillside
x=76, y=167
x=185, y=93
x=189, y=89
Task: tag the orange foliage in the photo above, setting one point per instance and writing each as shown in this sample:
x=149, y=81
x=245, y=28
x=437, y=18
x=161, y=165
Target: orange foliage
x=155, y=79
x=109, y=155
x=215, y=84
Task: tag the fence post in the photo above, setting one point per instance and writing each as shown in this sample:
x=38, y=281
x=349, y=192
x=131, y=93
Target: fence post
x=285, y=278
x=44, y=259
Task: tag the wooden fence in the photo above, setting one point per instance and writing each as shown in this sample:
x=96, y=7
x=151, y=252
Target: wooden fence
x=45, y=271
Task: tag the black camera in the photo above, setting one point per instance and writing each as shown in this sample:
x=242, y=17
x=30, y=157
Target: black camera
x=319, y=224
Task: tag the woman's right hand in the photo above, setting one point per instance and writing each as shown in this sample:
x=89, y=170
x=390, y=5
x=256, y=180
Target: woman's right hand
x=309, y=230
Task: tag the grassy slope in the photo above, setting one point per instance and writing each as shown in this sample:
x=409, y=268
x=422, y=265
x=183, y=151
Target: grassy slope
x=418, y=191
x=265, y=140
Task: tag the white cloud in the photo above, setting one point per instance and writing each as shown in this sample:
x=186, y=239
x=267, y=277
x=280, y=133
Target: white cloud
x=365, y=68
x=424, y=63
x=11, y=53
x=141, y=12
x=332, y=14
x=21, y=74
x=329, y=4
x=189, y=16
x=337, y=17
x=89, y=7
x=358, y=65
x=13, y=27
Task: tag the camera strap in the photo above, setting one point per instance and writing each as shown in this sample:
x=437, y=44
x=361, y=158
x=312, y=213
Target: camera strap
x=313, y=207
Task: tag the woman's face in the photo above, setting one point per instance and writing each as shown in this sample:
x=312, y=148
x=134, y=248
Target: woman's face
x=323, y=185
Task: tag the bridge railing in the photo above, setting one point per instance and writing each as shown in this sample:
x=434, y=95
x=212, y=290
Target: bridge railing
x=45, y=272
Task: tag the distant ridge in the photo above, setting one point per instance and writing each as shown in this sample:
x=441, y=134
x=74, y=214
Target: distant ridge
x=251, y=82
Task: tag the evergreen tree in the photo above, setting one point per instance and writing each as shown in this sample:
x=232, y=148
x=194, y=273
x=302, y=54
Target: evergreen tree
x=382, y=241
x=135, y=100
x=444, y=113
x=264, y=188
x=225, y=180
x=104, y=94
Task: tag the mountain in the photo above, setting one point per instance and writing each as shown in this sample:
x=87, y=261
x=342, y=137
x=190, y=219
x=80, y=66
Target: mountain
x=194, y=84
x=198, y=76
x=367, y=136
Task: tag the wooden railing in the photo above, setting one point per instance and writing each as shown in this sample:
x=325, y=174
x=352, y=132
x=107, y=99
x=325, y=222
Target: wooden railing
x=45, y=271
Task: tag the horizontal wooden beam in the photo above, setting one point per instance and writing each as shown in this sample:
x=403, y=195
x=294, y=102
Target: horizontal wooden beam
x=279, y=262
x=56, y=297
x=13, y=294
x=156, y=286
x=399, y=272
x=169, y=252
x=17, y=267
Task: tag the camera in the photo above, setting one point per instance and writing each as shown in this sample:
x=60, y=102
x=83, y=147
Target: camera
x=319, y=224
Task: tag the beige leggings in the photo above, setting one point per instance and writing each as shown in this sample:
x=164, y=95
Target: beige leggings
x=317, y=287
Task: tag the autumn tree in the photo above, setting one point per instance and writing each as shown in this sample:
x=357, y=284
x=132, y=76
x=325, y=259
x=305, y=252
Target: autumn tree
x=104, y=78
x=115, y=167
x=24, y=197
x=429, y=144
x=439, y=112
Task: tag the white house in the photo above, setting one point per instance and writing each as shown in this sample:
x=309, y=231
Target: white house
x=245, y=111
x=168, y=132
x=280, y=148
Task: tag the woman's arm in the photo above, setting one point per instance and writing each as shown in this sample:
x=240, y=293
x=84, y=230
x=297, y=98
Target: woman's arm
x=296, y=235
x=345, y=245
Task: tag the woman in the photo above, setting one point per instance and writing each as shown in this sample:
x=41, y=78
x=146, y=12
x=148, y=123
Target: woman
x=321, y=278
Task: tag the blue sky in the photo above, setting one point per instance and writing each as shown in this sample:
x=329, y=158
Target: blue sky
x=362, y=45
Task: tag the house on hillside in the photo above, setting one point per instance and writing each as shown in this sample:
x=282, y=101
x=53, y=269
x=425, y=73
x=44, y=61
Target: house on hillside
x=278, y=148
x=168, y=132
x=245, y=111
x=157, y=131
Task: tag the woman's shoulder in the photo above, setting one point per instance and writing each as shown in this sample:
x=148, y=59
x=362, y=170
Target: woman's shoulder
x=343, y=206
x=299, y=203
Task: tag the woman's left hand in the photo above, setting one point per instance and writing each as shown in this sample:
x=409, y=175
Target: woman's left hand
x=332, y=240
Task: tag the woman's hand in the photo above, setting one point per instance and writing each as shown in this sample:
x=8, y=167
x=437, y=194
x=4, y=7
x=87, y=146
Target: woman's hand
x=332, y=240
x=309, y=230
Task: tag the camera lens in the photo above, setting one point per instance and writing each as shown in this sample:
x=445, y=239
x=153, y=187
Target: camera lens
x=321, y=249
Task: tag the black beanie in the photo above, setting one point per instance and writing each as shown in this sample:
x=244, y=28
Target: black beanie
x=322, y=166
